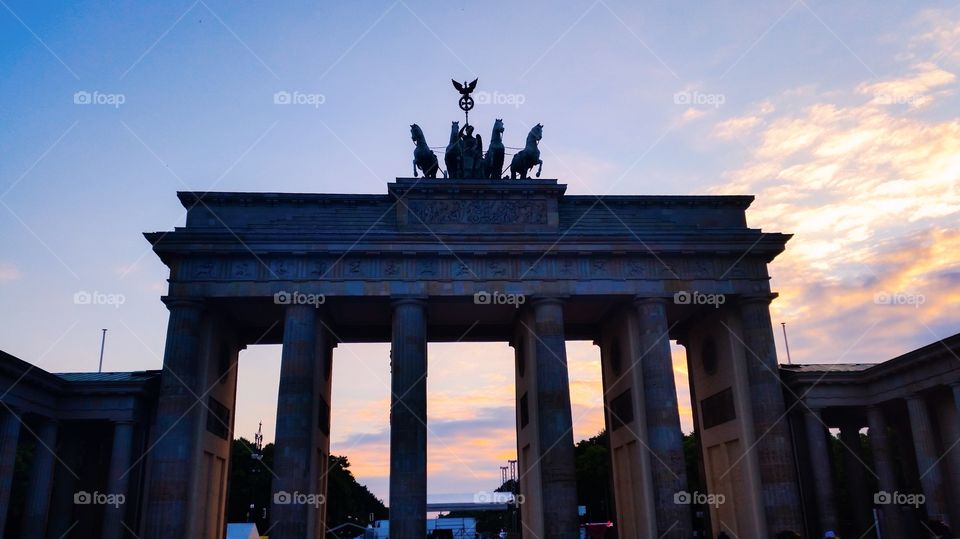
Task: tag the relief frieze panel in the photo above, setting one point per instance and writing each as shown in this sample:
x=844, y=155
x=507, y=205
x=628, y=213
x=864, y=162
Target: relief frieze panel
x=452, y=267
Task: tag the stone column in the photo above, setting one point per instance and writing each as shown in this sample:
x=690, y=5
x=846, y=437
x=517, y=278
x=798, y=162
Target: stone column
x=324, y=384
x=173, y=457
x=625, y=418
x=664, y=436
x=951, y=444
x=892, y=525
x=822, y=476
x=118, y=480
x=928, y=461
x=956, y=400
x=555, y=422
x=860, y=497
x=9, y=437
x=37, y=505
x=408, y=420
x=773, y=445
x=295, y=424
x=65, y=481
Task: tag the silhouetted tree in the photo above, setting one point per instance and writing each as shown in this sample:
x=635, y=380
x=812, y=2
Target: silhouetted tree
x=250, y=483
x=348, y=500
x=593, y=477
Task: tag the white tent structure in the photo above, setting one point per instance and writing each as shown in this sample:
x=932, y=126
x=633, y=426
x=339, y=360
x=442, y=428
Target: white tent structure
x=242, y=531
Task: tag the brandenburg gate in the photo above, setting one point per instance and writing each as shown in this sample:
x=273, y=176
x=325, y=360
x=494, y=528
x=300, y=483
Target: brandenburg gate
x=440, y=260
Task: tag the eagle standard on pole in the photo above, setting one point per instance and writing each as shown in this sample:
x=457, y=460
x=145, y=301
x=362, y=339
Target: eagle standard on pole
x=466, y=102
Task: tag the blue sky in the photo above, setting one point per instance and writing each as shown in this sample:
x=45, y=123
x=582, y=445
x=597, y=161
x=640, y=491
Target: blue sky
x=840, y=117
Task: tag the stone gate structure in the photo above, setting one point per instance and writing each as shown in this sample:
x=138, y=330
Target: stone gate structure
x=489, y=260
x=436, y=260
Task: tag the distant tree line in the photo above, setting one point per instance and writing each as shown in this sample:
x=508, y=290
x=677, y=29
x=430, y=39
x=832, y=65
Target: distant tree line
x=251, y=493
x=350, y=501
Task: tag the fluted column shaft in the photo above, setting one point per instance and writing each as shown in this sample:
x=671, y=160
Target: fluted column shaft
x=66, y=483
x=555, y=421
x=822, y=476
x=172, y=458
x=951, y=444
x=37, y=505
x=294, y=438
x=956, y=401
x=118, y=480
x=928, y=462
x=664, y=436
x=9, y=437
x=892, y=525
x=408, y=420
x=774, y=447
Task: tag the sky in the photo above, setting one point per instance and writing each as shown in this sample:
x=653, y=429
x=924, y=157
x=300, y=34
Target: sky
x=841, y=117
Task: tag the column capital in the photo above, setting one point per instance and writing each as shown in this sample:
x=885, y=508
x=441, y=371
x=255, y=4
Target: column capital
x=873, y=410
x=548, y=300
x=650, y=300
x=748, y=299
x=915, y=397
x=814, y=410
x=396, y=301
x=46, y=420
x=183, y=301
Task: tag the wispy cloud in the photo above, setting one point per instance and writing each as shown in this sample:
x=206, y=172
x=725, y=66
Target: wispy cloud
x=871, y=193
x=9, y=272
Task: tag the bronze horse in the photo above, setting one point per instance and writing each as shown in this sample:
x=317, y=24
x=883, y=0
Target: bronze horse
x=493, y=161
x=423, y=156
x=525, y=159
x=452, y=157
